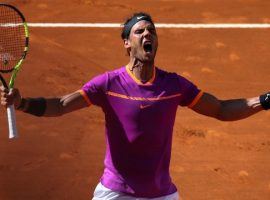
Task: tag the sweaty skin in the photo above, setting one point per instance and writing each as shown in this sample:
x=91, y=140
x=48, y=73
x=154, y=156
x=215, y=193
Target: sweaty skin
x=141, y=62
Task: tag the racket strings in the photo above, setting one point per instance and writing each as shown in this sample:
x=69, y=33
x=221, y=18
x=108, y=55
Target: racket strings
x=12, y=38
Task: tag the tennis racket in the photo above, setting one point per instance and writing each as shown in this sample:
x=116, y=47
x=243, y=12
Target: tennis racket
x=14, y=39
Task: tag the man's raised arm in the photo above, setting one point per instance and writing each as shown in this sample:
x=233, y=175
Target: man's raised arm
x=233, y=109
x=47, y=107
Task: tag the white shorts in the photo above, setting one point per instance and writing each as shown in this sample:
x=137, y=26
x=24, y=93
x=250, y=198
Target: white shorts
x=103, y=193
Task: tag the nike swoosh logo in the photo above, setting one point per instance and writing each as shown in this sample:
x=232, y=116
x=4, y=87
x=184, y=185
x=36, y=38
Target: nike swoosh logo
x=144, y=106
x=140, y=17
x=267, y=97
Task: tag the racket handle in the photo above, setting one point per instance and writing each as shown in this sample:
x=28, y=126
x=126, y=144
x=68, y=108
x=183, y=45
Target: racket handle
x=12, y=122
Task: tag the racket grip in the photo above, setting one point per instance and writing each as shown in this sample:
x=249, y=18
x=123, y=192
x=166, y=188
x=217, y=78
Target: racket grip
x=12, y=122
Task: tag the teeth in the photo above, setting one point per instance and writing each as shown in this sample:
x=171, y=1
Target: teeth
x=147, y=42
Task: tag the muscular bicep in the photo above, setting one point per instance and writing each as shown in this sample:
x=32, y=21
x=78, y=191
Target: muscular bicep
x=208, y=105
x=65, y=104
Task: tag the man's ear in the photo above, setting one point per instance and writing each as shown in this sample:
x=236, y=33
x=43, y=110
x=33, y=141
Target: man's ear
x=126, y=43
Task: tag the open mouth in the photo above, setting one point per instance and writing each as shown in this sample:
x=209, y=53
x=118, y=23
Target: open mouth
x=147, y=46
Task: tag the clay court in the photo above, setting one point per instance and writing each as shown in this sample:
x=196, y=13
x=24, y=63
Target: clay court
x=62, y=158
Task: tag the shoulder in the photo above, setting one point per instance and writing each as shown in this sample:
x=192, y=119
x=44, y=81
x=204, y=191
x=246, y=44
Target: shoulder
x=171, y=76
x=115, y=73
x=178, y=83
x=102, y=80
x=163, y=74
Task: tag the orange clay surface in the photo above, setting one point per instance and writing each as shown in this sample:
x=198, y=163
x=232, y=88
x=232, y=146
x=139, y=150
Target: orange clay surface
x=62, y=158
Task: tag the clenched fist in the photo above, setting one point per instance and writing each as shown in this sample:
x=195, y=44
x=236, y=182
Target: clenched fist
x=9, y=97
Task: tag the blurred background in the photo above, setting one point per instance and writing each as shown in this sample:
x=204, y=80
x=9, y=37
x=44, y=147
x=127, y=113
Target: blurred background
x=62, y=158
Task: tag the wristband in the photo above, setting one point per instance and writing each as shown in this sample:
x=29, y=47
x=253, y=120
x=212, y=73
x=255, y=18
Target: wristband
x=36, y=106
x=265, y=101
x=22, y=104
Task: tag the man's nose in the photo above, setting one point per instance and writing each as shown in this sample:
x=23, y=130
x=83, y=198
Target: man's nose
x=146, y=32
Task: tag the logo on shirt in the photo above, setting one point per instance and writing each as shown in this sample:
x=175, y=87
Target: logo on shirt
x=144, y=106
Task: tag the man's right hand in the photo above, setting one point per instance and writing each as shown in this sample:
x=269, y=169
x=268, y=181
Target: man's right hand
x=9, y=97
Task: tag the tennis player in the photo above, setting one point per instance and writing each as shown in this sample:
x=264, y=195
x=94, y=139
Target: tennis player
x=139, y=101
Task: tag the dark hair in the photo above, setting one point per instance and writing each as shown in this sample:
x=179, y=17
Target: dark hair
x=129, y=23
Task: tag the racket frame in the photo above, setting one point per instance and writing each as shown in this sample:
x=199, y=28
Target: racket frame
x=13, y=133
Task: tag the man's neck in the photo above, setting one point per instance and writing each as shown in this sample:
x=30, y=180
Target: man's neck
x=143, y=71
